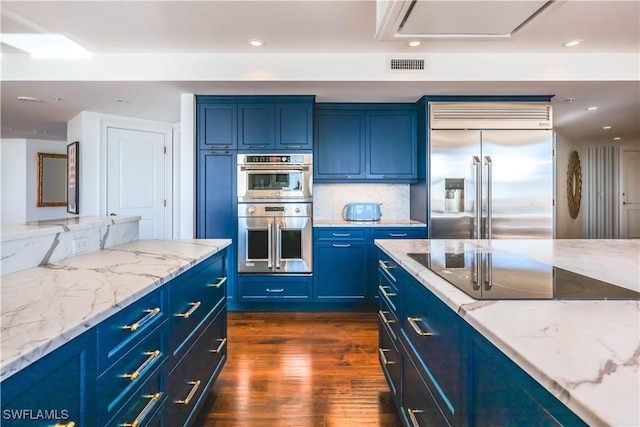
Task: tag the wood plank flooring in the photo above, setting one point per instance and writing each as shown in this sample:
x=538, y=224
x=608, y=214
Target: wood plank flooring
x=311, y=369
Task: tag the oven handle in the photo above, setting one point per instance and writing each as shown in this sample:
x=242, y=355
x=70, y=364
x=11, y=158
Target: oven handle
x=270, y=243
x=274, y=169
x=278, y=244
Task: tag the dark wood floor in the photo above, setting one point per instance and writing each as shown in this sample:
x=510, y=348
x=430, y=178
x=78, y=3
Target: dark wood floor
x=300, y=369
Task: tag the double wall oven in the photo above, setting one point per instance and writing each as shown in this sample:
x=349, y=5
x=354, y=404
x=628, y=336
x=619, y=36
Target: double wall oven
x=275, y=213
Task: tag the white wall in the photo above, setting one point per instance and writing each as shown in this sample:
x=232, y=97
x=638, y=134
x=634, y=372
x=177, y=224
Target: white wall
x=184, y=161
x=13, y=185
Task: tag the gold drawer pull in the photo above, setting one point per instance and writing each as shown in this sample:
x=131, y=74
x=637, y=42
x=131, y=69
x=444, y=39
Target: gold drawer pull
x=221, y=281
x=192, y=393
x=135, y=374
x=153, y=399
x=223, y=341
x=69, y=424
x=383, y=290
x=385, y=265
x=412, y=416
x=413, y=321
x=384, y=318
x=194, y=307
x=383, y=357
x=150, y=315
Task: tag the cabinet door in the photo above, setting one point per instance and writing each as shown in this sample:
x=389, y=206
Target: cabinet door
x=217, y=125
x=54, y=389
x=256, y=126
x=340, y=271
x=339, y=145
x=502, y=394
x=294, y=126
x=392, y=147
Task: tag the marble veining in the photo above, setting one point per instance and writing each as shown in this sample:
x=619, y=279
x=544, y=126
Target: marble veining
x=586, y=353
x=329, y=199
x=42, y=308
x=41, y=242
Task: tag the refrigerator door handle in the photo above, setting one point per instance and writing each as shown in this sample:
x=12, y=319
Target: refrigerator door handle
x=487, y=161
x=270, y=244
x=477, y=167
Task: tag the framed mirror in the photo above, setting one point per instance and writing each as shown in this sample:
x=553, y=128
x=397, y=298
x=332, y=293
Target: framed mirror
x=52, y=180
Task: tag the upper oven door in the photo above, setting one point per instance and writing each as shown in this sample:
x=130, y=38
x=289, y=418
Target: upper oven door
x=289, y=182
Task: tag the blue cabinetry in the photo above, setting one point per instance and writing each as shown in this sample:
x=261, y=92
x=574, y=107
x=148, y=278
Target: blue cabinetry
x=450, y=375
x=140, y=366
x=217, y=124
x=55, y=389
x=365, y=143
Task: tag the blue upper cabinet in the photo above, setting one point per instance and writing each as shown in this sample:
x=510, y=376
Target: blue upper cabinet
x=217, y=125
x=256, y=126
x=255, y=123
x=339, y=145
x=365, y=143
x=294, y=126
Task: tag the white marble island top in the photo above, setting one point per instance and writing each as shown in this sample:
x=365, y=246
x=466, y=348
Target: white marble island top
x=42, y=308
x=586, y=353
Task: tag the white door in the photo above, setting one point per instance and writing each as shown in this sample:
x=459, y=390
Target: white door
x=630, y=209
x=136, y=178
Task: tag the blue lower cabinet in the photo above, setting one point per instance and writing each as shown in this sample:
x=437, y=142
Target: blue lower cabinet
x=139, y=410
x=276, y=288
x=390, y=359
x=189, y=381
x=55, y=389
x=502, y=394
x=341, y=270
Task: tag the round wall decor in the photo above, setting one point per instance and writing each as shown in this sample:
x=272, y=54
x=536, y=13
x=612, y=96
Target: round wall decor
x=574, y=184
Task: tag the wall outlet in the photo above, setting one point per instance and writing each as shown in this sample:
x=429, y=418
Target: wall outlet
x=80, y=245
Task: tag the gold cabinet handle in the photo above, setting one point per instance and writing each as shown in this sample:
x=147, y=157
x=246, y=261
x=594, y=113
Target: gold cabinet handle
x=150, y=315
x=383, y=290
x=413, y=321
x=194, y=307
x=135, y=374
x=69, y=424
x=192, y=393
x=384, y=318
x=381, y=351
x=153, y=399
x=385, y=265
x=219, y=284
x=412, y=416
x=223, y=341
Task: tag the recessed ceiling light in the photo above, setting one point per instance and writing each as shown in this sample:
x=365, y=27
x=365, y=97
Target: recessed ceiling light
x=594, y=108
x=617, y=138
x=571, y=43
x=28, y=99
x=45, y=45
x=606, y=127
x=414, y=43
x=56, y=99
x=121, y=100
x=256, y=42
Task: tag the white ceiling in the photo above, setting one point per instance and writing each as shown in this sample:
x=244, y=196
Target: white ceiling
x=304, y=27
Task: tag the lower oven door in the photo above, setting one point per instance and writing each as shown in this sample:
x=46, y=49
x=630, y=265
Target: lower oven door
x=274, y=245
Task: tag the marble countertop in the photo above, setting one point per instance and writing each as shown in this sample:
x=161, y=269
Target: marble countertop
x=381, y=223
x=53, y=226
x=586, y=353
x=42, y=308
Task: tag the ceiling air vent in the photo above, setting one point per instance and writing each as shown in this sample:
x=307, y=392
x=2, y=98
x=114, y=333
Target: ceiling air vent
x=406, y=65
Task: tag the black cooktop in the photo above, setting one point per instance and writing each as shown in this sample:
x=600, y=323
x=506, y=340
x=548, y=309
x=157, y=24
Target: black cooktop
x=498, y=276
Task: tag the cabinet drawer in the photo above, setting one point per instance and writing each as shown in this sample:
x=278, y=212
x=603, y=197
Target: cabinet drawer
x=274, y=288
x=342, y=233
x=120, y=332
x=433, y=334
x=129, y=372
x=145, y=402
x=388, y=317
x=192, y=299
x=191, y=378
x=390, y=360
x=418, y=405
x=388, y=289
x=399, y=233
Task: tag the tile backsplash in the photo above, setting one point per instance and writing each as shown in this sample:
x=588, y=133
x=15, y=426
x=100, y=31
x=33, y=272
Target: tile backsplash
x=329, y=199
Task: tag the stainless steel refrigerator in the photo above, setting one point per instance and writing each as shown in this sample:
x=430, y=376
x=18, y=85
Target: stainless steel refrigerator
x=491, y=184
